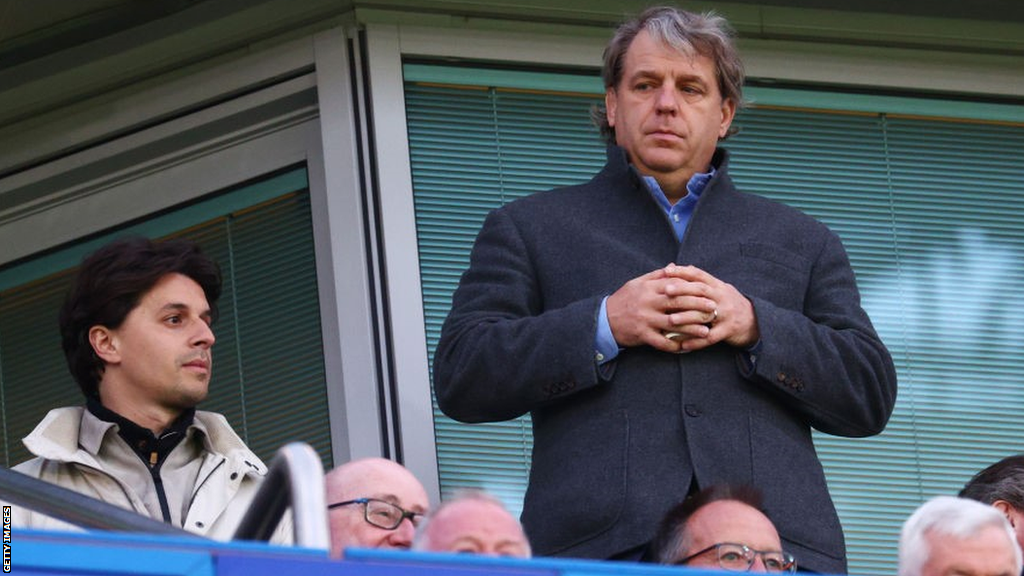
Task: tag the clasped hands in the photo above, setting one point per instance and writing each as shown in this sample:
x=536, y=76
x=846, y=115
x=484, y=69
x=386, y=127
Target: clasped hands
x=680, y=309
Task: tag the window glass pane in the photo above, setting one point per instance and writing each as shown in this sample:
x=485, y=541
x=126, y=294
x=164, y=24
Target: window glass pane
x=269, y=376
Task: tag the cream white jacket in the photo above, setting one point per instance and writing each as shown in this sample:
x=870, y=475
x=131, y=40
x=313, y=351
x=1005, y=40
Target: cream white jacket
x=209, y=479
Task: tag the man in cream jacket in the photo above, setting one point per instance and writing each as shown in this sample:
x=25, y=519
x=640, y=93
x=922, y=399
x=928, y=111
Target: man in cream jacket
x=136, y=331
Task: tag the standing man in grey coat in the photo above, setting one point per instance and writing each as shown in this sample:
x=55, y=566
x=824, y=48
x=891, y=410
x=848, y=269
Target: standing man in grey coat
x=665, y=330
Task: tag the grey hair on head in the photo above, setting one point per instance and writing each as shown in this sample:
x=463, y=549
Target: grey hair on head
x=959, y=518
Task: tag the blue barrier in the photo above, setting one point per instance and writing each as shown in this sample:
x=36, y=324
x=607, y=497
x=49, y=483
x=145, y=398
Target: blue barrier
x=51, y=553
x=81, y=553
x=479, y=565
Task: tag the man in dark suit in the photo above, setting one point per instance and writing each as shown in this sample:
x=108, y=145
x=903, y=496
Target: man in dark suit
x=664, y=330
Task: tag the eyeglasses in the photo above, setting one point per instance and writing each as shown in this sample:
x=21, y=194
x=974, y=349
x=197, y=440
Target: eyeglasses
x=739, y=558
x=381, y=513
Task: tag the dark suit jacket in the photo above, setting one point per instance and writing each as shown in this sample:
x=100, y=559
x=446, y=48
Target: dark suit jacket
x=615, y=448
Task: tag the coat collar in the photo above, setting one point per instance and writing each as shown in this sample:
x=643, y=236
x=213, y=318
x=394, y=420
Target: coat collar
x=73, y=434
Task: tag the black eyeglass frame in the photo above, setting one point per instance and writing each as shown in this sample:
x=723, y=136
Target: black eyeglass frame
x=749, y=553
x=412, y=516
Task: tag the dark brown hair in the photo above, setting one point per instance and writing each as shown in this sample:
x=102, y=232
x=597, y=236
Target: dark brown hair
x=110, y=283
x=1003, y=480
x=672, y=541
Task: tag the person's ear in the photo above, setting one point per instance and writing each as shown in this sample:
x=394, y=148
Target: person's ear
x=104, y=343
x=728, y=114
x=611, y=104
x=1008, y=510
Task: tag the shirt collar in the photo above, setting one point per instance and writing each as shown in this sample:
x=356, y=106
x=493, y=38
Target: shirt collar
x=698, y=182
x=142, y=440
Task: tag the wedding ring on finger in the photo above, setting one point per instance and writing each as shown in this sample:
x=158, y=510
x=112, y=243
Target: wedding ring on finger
x=674, y=336
x=714, y=318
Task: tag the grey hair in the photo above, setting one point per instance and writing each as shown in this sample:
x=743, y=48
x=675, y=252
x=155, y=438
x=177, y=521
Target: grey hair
x=948, y=516
x=421, y=539
x=691, y=34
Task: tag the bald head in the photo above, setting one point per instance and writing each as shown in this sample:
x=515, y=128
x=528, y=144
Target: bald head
x=386, y=484
x=473, y=523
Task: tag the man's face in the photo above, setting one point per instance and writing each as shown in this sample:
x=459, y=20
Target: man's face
x=382, y=480
x=989, y=553
x=477, y=527
x=733, y=522
x=667, y=110
x=158, y=360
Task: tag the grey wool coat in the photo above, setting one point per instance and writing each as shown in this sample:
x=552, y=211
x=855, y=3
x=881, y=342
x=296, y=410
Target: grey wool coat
x=615, y=447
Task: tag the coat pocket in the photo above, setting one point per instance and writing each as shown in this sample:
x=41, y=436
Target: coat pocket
x=772, y=273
